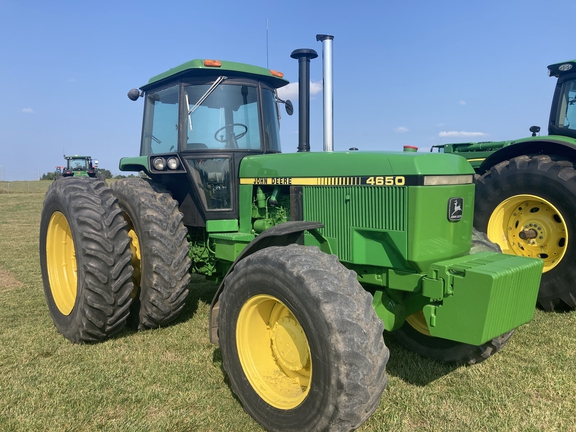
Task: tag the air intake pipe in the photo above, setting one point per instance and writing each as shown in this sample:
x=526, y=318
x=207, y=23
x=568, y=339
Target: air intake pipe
x=304, y=55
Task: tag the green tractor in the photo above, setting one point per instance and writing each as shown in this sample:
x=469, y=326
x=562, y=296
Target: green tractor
x=526, y=192
x=79, y=166
x=316, y=253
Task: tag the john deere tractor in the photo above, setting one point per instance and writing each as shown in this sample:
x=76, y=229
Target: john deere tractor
x=79, y=166
x=316, y=253
x=526, y=192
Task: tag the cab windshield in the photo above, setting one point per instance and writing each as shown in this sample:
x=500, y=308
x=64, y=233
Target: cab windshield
x=222, y=115
x=80, y=164
x=228, y=118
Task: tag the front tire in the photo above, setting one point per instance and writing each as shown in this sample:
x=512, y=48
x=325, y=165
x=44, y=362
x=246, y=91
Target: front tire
x=301, y=342
x=159, y=252
x=85, y=259
x=528, y=206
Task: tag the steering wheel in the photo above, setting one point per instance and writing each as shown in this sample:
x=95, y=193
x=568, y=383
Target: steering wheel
x=231, y=129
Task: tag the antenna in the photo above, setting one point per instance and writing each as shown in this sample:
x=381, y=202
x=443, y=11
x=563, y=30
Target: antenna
x=266, y=43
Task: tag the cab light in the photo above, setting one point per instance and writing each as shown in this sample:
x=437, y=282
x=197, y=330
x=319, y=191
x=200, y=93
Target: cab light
x=159, y=164
x=212, y=63
x=277, y=74
x=447, y=180
x=173, y=163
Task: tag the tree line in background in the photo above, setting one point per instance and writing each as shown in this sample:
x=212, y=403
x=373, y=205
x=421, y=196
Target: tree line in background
x=102, y=173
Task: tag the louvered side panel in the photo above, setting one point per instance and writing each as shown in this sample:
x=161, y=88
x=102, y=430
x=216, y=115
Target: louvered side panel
x=341, y=208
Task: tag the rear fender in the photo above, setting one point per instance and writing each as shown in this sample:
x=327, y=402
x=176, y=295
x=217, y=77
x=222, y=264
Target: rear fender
x=547, y=146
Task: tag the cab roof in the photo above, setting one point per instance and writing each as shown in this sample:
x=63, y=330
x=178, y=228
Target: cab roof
x=205, y=67
x=562, y=68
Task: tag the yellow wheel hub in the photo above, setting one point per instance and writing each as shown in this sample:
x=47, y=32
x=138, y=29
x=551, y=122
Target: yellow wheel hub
x=528, y=225
x=418, y=322
x=274, y=352
x=136, y=256
x=61, y=263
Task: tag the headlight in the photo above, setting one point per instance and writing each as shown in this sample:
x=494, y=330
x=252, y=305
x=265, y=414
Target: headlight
x=173, y=163
x=159, y=164
x=448, y=180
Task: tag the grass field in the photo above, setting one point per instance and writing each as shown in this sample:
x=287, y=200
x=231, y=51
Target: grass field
x=172, y=379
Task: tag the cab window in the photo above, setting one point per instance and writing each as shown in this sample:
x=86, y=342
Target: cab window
x=160, y=133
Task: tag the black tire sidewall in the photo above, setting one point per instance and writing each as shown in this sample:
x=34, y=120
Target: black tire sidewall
x=66, y=324
x=127, y=208
x=156, y=302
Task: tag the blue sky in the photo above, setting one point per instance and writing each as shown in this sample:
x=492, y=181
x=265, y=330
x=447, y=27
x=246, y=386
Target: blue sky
x=416, y=72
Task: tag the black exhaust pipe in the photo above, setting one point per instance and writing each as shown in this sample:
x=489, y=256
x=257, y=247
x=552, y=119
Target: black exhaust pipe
x=304, y=56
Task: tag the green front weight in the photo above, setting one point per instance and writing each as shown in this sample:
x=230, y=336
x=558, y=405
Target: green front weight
x=491, y=295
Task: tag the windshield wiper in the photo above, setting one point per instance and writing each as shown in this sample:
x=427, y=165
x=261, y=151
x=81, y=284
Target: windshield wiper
x=202, y=99
x=208, y=93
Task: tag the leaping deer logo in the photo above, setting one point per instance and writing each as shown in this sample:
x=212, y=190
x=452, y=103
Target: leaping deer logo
x=455, y=209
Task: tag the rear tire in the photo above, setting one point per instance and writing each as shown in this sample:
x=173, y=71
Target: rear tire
x=85, y=259
x=159, y=249
x=536, y=194
x=444, y=350
x=414, y=333
x=301, y=342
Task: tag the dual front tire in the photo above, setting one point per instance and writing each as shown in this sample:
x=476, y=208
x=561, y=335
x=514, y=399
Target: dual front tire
x=111, y=256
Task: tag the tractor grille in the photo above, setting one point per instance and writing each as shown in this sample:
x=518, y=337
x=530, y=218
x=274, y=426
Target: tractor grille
x=341, y=208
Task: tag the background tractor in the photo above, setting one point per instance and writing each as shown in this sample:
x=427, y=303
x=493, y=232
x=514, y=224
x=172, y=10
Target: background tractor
x=316, y=253
x=526, y=192
x=79, y=166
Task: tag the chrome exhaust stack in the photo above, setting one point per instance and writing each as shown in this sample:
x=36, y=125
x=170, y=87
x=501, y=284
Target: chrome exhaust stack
x=327, y=81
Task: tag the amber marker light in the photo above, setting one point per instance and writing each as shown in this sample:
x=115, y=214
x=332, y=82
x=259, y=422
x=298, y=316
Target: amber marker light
x=212, y=63
x=277, y=74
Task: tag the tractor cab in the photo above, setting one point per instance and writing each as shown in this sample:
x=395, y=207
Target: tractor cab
x=563, y=111
x=200, y=120
x=79, y=166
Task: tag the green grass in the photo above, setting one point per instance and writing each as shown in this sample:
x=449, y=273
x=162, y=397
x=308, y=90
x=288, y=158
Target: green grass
x=19, y=187
x=171, y=379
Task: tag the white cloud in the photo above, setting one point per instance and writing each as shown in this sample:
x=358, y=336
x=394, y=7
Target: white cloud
x=460, y=134
x=401, y=129
x=462, y=102
x=28, y=111
x=315, y=87
x=290, y=91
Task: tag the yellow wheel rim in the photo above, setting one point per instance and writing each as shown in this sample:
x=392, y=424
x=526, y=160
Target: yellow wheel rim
x=274, y=352
x=528, y=225
x=418, y=322
x=136, y=256
x=61, y=263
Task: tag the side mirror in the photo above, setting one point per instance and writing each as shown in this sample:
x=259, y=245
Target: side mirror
x=289, y=107
x=287, y=104
x=134, y=94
